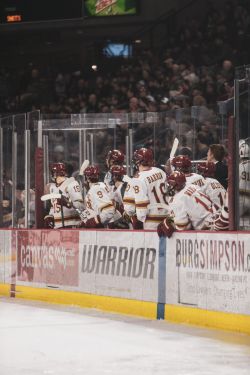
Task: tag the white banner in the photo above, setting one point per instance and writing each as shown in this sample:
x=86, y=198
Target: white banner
x=209, y=271
x=119, y=264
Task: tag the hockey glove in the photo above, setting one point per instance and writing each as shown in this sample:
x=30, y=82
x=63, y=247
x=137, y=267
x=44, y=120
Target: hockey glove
x=137, y=224
x=49, y=222
x=64, y=201
x=94, y=222
x=166, y=228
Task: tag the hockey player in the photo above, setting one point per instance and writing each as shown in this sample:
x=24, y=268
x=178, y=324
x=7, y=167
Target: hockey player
x=183, y=164
x=244, y=177
x=119, y=180
x=63, y=212
x=114, y=157
x=149, y=189
x=213, y=189
x=191, y=208
x=100, y=209
x=119, y=185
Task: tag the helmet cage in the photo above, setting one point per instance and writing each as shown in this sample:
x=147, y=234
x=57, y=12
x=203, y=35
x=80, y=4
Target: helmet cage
x=177, y=180
x=92, y=173
x=143, y=156
x=182, y=163
x=57, y=170
x=117, y=172
x=115, y=157
x=207, y=170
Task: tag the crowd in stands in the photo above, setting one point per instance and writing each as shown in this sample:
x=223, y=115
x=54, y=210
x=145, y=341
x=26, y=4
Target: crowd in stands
x=195, y=67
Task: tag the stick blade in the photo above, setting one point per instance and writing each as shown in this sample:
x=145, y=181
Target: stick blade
x=84, y=165
x=174, y=148
x=47, y=197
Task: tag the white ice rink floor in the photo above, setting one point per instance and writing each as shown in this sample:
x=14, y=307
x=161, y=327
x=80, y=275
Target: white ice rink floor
x=37, y=338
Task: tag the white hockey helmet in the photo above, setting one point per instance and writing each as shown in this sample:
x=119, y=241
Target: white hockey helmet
x=244, y=149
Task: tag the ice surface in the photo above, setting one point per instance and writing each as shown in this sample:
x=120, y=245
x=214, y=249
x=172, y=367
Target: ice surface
x=38, y=338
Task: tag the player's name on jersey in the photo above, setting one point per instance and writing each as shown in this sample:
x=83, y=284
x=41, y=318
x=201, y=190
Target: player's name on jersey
x=155, y=177
x=215, y=185
x=190, y=190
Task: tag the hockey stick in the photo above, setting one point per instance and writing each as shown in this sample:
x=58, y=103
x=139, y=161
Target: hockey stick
x=84, y=166
x=174, y=148
x=47, y=197
x=80, y=177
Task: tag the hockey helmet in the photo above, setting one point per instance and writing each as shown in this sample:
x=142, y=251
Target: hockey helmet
x=182, y=163
x=57, y=170
x=143, y=156
x=92, y=173
x=177, y=180
x=115, y=157
x=207, y=169
x=117, y=171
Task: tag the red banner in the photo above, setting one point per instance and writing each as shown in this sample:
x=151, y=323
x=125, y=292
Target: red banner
x=48, y=256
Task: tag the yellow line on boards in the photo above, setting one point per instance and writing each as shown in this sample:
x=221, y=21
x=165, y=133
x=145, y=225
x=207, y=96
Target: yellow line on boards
x=5, y=290
x=206, y=318
x=112, y=304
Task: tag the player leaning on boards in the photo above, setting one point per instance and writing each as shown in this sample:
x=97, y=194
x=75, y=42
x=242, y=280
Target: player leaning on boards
x=183, y=163
x=191, y=209
x=213, y=189
x=67, y=199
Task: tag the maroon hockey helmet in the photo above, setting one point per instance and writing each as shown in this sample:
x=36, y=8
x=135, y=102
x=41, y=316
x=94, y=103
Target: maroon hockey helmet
x=182, y=163
x=207, y=169
x=143, y=156
x=117, y=171
x=57, y=170
x=115, y=157
x=177, y=180
x=92, y=173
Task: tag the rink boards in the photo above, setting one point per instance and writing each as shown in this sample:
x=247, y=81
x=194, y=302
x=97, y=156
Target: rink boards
x=195, y=277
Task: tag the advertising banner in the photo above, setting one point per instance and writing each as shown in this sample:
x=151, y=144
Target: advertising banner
x=6, y=258
x=119, y=264
x=48, y=257
x=209, y=271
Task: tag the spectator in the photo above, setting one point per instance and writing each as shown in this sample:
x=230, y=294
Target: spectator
x=216, y=154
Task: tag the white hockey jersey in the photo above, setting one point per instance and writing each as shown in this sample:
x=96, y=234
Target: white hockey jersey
x=216, y=192
x=149, y=190
x=129, y=198
x=244, y=175
x=191, y=209
x=244, y=187
x=98, y=200
x=195, y=179
x=64, y=216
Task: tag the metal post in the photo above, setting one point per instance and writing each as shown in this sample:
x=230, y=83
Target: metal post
x=46, y=175
x=14, y=177
x=127, y=154
x=80, y=142
x=130, y=135
x=236, y=148
x=91, y=148
x=27, y=179
x=85, y=154
x=88, y=151
x=1, y=176
x=40, y=133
